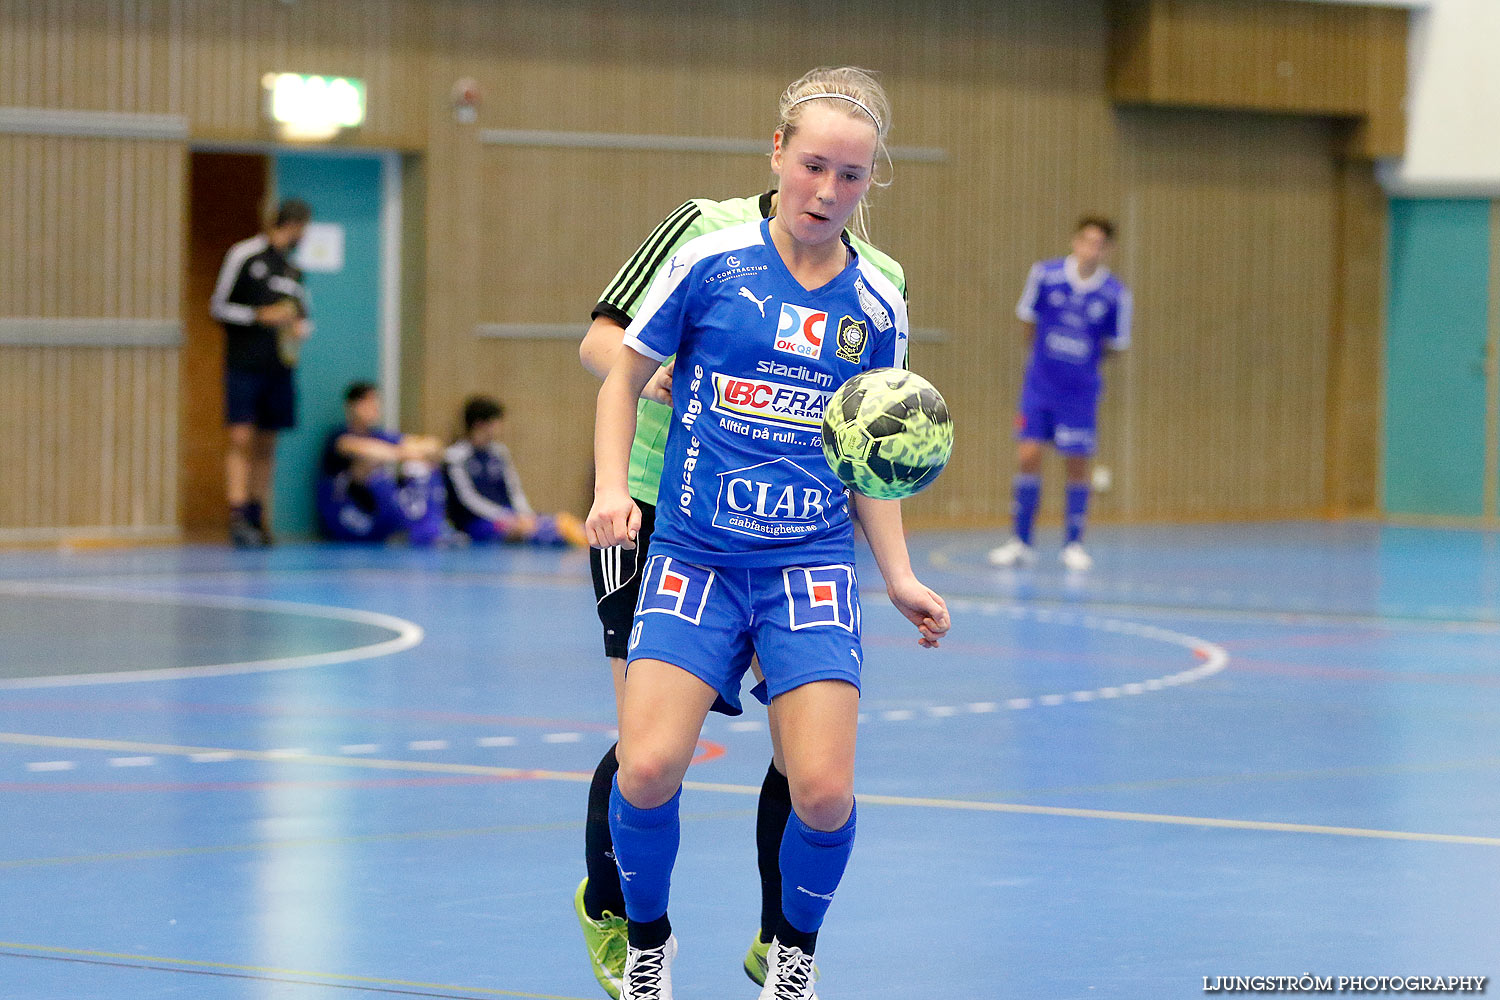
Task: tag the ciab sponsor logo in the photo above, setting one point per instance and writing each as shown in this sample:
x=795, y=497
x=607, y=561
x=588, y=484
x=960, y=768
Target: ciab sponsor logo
x=775, y=499
x=770, y=402
x=800, y=331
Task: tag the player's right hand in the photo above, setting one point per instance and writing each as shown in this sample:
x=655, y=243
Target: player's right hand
x=615, y=519
x=277, y=314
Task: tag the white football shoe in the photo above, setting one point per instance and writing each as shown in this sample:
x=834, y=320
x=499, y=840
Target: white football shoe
x=1013, y=553
x=1075, y=558
x=648, y=972
x=789, y=974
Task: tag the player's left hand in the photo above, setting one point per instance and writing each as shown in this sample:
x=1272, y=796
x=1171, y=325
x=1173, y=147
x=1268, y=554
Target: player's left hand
x=923, y=608
x=659, y=388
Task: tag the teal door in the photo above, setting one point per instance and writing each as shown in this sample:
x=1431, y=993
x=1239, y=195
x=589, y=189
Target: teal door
x=1436, y=384
x=345, y=192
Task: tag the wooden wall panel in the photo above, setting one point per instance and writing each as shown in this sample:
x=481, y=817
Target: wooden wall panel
x=1240, y=383
x=1225, y=389
x=1267, y=55
x=205, y=59
x=91, y=230
x=90, y=440
x=1357, y=345
x=91, y=227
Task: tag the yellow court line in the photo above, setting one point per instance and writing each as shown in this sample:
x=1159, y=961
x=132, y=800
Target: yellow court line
x=968, y=805
x=331, y=977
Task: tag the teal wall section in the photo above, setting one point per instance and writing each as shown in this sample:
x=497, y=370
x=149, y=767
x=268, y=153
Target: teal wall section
x=1437, y=329
x=346, y=310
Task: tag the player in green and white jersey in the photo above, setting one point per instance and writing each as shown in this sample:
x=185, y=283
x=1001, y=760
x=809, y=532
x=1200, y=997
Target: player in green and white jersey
x=599, y=903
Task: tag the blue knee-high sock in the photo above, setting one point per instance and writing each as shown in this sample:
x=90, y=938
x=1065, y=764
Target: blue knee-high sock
x=812, y=863
x=1078, y=510
x=645, y=850
x=1028, y=496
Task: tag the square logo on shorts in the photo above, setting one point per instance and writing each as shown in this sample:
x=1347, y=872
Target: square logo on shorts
x=821, y=595
x=675, y=588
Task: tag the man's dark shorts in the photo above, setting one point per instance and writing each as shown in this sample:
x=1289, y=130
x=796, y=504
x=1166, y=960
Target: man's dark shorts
x=266, y=399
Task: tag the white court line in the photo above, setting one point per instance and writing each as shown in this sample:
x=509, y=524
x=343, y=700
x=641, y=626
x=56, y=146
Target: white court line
x=1215, y=657
x=408, y=634
x=907, y=801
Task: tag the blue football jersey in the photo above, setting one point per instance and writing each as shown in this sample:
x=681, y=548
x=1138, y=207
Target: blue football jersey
x=758, y=356
x=1075, y=321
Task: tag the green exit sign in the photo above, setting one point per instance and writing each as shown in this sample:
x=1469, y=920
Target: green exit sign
x=306, y=106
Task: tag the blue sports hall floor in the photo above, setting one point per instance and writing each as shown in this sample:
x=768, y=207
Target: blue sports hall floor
x=1265, y=750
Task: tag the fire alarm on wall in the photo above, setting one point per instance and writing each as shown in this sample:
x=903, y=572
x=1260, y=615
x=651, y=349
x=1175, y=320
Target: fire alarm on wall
x=466, y=100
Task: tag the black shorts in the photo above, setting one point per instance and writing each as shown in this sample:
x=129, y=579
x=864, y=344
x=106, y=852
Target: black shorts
x=267, y=399
x=617, y=585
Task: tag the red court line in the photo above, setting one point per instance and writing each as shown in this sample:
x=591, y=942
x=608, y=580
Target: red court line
x=1283, y=668
x=251, y=786
x=307, y=711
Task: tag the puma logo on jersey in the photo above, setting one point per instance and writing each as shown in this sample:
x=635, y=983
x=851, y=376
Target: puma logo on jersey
x=759, y=303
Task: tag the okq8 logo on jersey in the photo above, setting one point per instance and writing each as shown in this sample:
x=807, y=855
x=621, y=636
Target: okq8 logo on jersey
x=801, y=330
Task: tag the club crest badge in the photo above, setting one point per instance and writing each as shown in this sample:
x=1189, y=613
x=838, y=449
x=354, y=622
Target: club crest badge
x=852, y=337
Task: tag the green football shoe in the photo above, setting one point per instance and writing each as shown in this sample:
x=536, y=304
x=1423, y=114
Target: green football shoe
x=605, y=939
x=757, y=960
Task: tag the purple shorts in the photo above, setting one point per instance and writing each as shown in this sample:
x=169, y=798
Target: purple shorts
x=1067, y=421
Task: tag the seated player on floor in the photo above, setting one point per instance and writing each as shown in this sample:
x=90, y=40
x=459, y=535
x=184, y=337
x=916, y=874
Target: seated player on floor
x=485, y=499
x=376, y=483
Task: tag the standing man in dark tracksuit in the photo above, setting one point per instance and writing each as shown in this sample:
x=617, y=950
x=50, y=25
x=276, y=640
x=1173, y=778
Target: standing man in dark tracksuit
x=260, y=300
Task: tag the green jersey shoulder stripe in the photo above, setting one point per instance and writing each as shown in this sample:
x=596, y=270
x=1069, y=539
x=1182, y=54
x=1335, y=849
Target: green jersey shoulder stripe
x=625, y=291
x=689, y=221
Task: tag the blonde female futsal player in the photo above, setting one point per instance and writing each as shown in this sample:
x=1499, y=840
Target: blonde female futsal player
x=753, y=548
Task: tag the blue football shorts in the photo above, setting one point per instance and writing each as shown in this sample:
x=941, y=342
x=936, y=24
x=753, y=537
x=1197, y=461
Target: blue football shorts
x=802, y=621
x=1067, y=420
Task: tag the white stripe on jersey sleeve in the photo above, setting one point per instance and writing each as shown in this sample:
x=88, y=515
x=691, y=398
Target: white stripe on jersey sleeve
x=1026, y=308
x=219, y=306
x=457, y=456
x=1123, y=310
x=671, y=275
x=892, y=297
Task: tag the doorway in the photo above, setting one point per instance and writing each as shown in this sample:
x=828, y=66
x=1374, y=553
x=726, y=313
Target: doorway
x=346, y=257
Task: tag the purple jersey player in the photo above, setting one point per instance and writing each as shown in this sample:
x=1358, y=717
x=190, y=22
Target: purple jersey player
x=1076, y=314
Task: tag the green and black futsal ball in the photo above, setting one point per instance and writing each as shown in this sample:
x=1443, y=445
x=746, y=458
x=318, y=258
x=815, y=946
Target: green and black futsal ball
x=887, y=433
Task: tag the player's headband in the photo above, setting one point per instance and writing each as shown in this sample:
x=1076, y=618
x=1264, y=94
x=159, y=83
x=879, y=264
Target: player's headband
x=843, y=97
